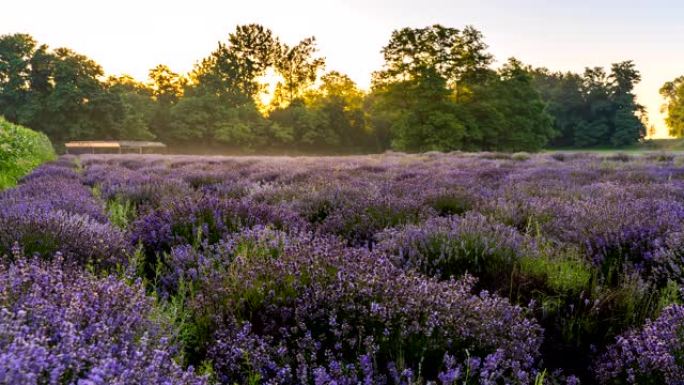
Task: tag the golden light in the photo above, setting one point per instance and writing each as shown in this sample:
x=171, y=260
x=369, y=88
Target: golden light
x=265, y=98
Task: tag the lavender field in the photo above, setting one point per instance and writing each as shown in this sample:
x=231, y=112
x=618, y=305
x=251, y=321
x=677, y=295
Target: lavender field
x=390, y=269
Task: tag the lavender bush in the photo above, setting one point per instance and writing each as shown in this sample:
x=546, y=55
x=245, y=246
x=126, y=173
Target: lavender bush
x=399, y=269
x=59, y=325
x=454, y=246
x=652, y=355
x=299, y=310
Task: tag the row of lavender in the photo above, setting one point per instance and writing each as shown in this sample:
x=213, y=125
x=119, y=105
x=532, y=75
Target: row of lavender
x=451, y=269
x=63, y=318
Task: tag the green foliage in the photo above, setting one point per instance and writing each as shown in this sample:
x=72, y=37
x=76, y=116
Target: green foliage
x=416, y=125
x=673, y=92
x=595, y=108
x=508, y=112
x=21, y=150
x=298, y=68
x=205, y=120
x=121, y=212
x=61, y=93
x=436, y=91
x=232, y=70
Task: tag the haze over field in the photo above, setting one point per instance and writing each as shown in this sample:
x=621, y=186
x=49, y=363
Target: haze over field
x=558, y=35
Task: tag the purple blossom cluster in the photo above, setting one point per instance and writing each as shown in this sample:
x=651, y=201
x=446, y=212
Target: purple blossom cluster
x=445, y=247
x=52, y=211
x=205, y=219
x=59, y=325
x=653, y=354
x=294, y=309
x=385, y=269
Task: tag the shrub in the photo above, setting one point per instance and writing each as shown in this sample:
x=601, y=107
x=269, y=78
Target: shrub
x=61, y=325
x=359, y=220
x=620, y=157
x=652, y=355
x=205, y=220
x=454, y=246
x=21, y=150
x=312, y=310
x=43, y=231
x=55, y=187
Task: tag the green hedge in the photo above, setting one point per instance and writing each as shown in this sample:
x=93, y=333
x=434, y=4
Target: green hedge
x=21, y=150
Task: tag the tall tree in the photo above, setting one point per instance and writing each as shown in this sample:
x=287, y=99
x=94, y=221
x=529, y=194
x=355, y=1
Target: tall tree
x=595, y=130
x=16, y=52
x=219, y=103
x=562, y=93
x=166, y=88
x=594, y=109
x=414, y=95
x=341, y=101
x=232, y=71
x=326, y=118
x=673, y=92
x=166, y=85
x=138, y=106
x=628, y=126
x=504, y=112
x=453, y=54
x=79, y=102
x=419, y=113
x=299, y=68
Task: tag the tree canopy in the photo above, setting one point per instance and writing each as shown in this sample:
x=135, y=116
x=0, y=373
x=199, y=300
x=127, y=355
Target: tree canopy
x=596, y=108
x=673, y=92
x=437, y=90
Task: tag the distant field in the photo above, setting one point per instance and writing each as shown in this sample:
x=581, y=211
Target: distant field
x=653, y=145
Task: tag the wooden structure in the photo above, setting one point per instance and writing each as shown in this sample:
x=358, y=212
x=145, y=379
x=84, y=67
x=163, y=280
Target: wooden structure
x=113, y=146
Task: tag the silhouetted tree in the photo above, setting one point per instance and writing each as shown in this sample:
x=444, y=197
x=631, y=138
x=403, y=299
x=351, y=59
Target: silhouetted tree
x=299, y=68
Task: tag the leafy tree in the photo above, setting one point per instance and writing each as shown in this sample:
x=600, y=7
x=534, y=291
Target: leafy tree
x=673, y=92
x=341, y=102
x=595, y=109
x=420, y=113
x=166, y=89
x=507, y=113
x=78, y=106
x=595, y=130
x=437, y=92
x=166, y=85
x=298, y=68
x=453, y=54
x=562, y=93
x=138, y=105
x=16, y=52
x=414, y=95
x=628, y=126
x=200, y=119
x=307, y=127
x=232, y=70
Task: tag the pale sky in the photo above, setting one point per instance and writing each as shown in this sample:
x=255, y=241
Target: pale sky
x=128, y=36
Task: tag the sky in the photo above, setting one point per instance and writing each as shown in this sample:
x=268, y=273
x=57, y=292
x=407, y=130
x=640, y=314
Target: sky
x=132, y=36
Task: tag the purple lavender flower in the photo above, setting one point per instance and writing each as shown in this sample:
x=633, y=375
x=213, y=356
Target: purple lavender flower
x=61, y=325
x=652, y=355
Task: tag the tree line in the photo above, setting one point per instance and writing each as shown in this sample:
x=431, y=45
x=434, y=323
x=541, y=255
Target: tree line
x=437, y=90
